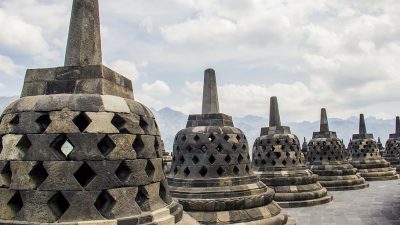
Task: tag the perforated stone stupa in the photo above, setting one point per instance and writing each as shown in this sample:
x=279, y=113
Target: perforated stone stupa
x=278, y=160
x=211, y=173
x=77, y=148
x=326, y=158
x=392, y=147
x=366, y=158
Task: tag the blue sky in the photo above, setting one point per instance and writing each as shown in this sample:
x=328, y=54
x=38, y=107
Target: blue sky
x=338, y=54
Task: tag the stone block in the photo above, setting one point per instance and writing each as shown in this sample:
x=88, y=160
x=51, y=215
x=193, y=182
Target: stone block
x=120, y=147
x=5, y=174
x=132, y=172
x=61, y=176
x=62, y=122
x=85, y=146
x=115, y=104
x=82, y=206
x=124, y=204
x=101, y=123
x=11, y=203
x=105, y=175
x=45, y=147
x=15, y=147
x=27, y=175
x=9, y=123
x=144, y=147
x=128, y=123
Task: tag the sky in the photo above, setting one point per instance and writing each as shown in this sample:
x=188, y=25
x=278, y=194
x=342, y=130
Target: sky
x=339, y=54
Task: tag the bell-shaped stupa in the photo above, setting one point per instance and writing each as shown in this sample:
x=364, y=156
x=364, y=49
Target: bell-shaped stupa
x=211, y=173
x=366, y=158
x=392, y=147
x=278, y=159
x=304, y=147
x=326, y=158
x=77, y=148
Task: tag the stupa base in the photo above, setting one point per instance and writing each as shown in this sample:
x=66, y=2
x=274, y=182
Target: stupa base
x=295, y=188
x=266, y=215
x=169, y=215
x=375, y=170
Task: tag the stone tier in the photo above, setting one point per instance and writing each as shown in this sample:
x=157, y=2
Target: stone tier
x=69, y=159
x=279, y=163
x=366, y=158
x=326, y=159
x=211, y=177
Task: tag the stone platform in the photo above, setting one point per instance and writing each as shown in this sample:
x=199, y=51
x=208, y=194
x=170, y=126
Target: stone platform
x=377, y=205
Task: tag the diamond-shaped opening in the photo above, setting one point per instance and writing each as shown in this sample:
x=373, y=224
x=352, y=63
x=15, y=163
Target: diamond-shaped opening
x=38, y=174
x=24, y=144
x=220, y=148
x=119, y=123
x=1, y=143
x=43, y=121
x=238, y=137
x=244, y=147
x=220, y=171
x=211, y=159
x=203, y=171
x=164, y=192
x=142, y=197
x=58, y=205
x=247, y=169
x=84, y=175
x=62, y=145
x=228, y=159
x=183, y=138
x=6, y=173
x=182, y=159
x=204, y=148
x=234, y=147
x=186, y=171
x=211, y=138
x=149, y=168
x=176, y=170
x=278, y=141
x=138, y=144
x=293, y=161
x=195, y=160
x=226, y=137
x=236, y=170
x=123, y=172
x=15, y=120
x=277, y=154
x=196, y=138
x=143, y=123
x=240, y=158
x=15, y=203
x=284, y=162
x=263, y=162
x=82, y=121
x=106, y=145
x=189, y=148
x=104, y=203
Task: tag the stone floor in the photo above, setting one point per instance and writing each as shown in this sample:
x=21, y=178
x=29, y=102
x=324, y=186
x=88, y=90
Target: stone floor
x=377, y=205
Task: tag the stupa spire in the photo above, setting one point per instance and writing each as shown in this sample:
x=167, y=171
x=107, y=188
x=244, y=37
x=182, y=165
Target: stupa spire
x=84, y=41
x=210, y=93
x=362, y=128
x=274, y=117
x=324, y=125
x=397, y=125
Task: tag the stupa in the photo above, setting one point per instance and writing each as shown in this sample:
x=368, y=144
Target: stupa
x=77, y=148
x=392, y=149
x=304, y=147
x=380, y=147
x=278, y=160
x=167, y=158
x=211, y=173
x=366, y=158
x=326, y=158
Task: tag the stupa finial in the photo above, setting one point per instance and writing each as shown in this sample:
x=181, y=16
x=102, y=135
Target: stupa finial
x=274, y=117
x=210, y=93
x=397, y=125
x=362, y=127
x=84, y=41
x=324, y=125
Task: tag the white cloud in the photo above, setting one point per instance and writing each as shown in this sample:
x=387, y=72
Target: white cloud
x=158, y=87
x=126, y=68
x=7, y=65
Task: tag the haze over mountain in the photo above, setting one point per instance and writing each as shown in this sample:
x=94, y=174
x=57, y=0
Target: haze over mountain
x=171, y=121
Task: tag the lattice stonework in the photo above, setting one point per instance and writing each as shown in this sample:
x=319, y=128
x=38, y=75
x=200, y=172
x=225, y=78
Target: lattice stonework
x=57, y=163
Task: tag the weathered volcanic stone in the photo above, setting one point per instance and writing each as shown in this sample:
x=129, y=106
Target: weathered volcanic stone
x=167, y=158
x=366, y=158
x=279, y=163
x=326, y=158
x=77, y=148
x=392, y=147
x=211, y=173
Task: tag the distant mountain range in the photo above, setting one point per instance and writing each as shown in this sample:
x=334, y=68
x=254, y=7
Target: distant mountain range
x=171, y=121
